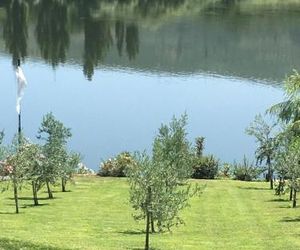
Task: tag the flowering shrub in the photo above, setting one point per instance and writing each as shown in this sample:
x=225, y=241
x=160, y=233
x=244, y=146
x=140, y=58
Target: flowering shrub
x=83, y=169
x=5, y=169
x=116, y=167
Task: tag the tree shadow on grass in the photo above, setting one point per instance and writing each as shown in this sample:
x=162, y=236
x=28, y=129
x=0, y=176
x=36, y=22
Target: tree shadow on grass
x=7, y=213
x=32, y=205
x=132, y=232
x=278, y=200
x=55, y=191
x=142, y=248
x=253, y=188
x=285, y=207
x=11, y=244
x=289, y=219
x=31, y=199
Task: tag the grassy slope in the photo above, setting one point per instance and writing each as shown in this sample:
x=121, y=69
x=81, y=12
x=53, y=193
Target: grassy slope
x=97, y=215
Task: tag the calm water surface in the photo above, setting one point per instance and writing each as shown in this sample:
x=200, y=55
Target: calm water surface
x=113, y=71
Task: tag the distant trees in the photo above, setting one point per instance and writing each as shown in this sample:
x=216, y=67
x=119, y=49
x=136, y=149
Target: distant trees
x=281, y=151
x=288, y=151
x=265, y=138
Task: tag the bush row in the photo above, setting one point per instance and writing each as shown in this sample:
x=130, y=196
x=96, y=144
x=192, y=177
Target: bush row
x=204, y=167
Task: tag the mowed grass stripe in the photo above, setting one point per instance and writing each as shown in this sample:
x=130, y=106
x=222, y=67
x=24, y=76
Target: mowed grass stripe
x=96, y=214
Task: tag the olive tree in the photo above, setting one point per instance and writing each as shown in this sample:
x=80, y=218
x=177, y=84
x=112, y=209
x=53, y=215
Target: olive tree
x=55, y=135
x=34, y=168
x=13, y=165
x=158, y=184
x=291, y=162
x=68, y=169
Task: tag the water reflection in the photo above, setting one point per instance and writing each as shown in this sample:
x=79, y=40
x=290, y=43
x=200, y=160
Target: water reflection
x=187, y=37
x=226, y=37
x=52, y=33
x=132, y=41
x=15, y=31
x=97, y=41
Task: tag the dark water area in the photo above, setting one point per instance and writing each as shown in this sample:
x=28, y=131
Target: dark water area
x=113, y=71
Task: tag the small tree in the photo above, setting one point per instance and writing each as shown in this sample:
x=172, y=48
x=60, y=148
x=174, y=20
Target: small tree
x=266, y=144
x=14, y=165
x=142, y=179
x=56, y=135
x=69, y=168
x=292, y=163
x=158, y=186
x=33, y=164
x=288, y=110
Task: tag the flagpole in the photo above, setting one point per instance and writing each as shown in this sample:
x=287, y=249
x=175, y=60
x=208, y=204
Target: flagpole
x=19, y=115
x=19, y=142
x=19, y=127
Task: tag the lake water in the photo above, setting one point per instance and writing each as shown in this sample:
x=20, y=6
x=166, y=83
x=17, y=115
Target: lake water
x=113, y=71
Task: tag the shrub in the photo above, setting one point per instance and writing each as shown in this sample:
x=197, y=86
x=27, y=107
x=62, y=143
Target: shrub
x=225, y=171
x=82, y=169
x=206, y=167
x=116, y=167
x=245, y=171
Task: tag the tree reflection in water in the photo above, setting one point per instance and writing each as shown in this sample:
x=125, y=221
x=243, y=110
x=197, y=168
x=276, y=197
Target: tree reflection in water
x=55, y=20
x=15, y=31
x=52, y=32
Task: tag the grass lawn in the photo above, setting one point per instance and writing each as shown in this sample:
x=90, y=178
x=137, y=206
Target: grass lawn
x=96, y=214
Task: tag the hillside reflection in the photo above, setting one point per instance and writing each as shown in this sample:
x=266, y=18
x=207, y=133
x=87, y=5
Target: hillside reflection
x=177, y=36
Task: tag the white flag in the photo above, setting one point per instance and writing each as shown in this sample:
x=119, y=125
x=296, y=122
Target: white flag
x=21, y=80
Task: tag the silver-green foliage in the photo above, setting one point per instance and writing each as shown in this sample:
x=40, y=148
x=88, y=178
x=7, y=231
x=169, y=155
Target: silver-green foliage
x=291, y=160
x=158, y=185
x=58, y=163
x=55, y=135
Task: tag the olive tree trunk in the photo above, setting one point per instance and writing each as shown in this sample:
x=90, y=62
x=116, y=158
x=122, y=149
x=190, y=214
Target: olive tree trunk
x=291, y=194
x=295, y=198
x=50, y=194
x=148, y=214
x=34, y=192
x=16, y=195
x=270, y=172
x=152, y=223
x=63, y=185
